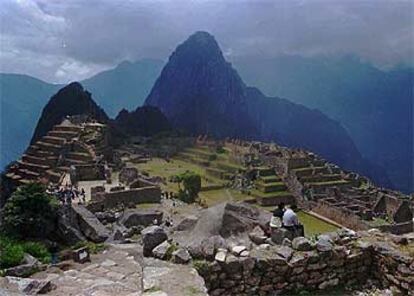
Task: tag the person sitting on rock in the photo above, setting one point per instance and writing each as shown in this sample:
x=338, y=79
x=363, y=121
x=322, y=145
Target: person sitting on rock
x=290, y=219
x=276, y=220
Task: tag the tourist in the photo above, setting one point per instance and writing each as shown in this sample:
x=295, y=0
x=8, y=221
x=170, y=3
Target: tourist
x=83, y=195
x=290, y=219
x=291, y=222
x=276, y=220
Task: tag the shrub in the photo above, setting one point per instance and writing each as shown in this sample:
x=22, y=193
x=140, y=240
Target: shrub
x=212, y=157
x=171, y=249
x=38, y=251
x=220, y=150
x=11, y=255
x=201, y=266
x=30, y=212
x=192, y=186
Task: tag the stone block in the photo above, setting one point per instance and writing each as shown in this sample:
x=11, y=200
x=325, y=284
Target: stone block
x=152, y=236
x=301, y=244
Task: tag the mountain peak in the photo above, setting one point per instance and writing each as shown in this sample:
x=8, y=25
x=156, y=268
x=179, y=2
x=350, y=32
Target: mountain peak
x=73, y=86
x=200, y=46
x=70, y=100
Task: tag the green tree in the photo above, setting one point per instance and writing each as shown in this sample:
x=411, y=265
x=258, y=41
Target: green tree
x=29, y=213
x=192, y=186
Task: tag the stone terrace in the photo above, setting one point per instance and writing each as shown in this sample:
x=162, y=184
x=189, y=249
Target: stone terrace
x=65, y=145
x=323, y=187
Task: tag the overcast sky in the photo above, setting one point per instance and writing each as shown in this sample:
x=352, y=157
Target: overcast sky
x=65, y=40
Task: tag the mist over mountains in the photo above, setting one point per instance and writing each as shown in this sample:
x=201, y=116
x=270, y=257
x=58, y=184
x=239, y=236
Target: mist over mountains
x=376, y=107
x=372, y=105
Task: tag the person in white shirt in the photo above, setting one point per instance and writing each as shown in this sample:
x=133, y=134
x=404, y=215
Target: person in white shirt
x=290, y=219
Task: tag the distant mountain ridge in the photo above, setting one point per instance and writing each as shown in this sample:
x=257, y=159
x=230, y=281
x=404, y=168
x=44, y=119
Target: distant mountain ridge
x=22, y=98
x=70, y=100
x=200, y=92
x=375, y=106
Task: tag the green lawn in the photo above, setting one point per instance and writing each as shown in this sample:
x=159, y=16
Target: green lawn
x=314, y=225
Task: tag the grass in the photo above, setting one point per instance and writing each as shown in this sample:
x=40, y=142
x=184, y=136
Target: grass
x=213, y=197
x=377, y=222
x=313, y=225
x=258, y=193
x=12, y=251
x=93, y=247
x=327, y=183
x=269, y=179
x=193, y=291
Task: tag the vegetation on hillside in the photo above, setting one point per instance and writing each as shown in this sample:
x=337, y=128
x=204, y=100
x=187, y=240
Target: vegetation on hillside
x=12, y=252
x=29, y=213
x=191, y=183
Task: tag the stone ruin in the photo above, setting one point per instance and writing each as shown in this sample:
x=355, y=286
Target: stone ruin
x=234, y=256
x=69, y=146
x=345, y=197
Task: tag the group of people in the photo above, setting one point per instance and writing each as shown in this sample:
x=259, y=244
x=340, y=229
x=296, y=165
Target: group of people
x=287, y=218
x=68, y=193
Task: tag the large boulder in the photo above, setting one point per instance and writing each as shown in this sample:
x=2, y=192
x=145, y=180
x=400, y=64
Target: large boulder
x=278, y=235
x=302, y=244
x=187, y=223
x=242, y=218
x=161, y=251
x=89, y=225
x=206, y=248
x=138, y=217
x=68, y=229
x=152, y=236
x=228, y=219
x=29, y=266
x=181, y=256
x=10, y=285
x=257, y=235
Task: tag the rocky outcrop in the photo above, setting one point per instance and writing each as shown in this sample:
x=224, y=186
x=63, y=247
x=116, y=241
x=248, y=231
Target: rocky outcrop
x=89, y=225
x=11, y=286
x=242, y=218
x=141, y=217
x=144, y=121
x=152, y=236
x=201, y=93
x=29, y=266
x=70, y=100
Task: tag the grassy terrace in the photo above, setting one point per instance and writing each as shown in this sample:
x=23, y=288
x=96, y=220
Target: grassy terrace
x=162, y=168
x=187, y=161
x=314, y=225
x=258, y=193
x=213, y=197
x=327, y=183
x=308, y=168
x=269, y=179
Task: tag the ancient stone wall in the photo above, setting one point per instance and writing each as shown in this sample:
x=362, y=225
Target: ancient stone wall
x=280, y=269
x=398, y=228
x=127, y=197
x=139, y=183
x=87, y=172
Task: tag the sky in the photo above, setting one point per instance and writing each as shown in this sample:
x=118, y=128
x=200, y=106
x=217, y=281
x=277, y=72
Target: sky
x=65, y=40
